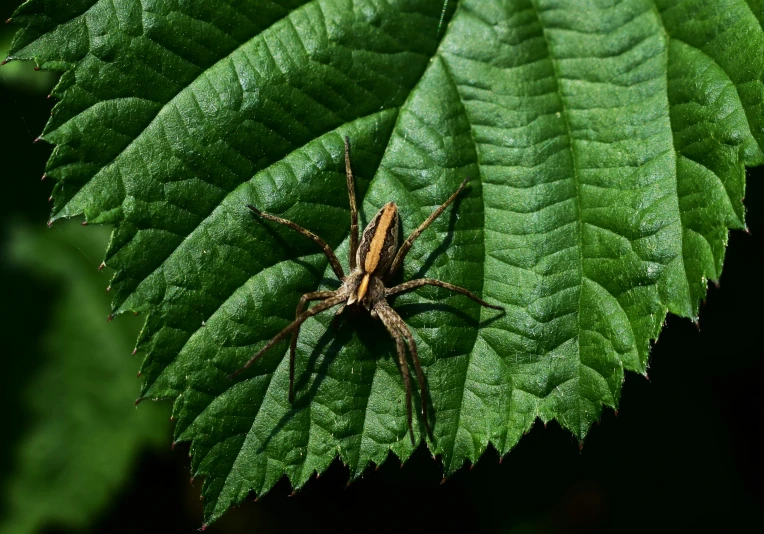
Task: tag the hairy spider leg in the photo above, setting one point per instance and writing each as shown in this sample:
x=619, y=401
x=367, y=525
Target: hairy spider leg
x=318, y=308
x=307, y=297
x=403, y=330
x=406, y=246
x=419, y=282
x=388, y=318
x=406, y=331
x=353, y=207
x=333, y=261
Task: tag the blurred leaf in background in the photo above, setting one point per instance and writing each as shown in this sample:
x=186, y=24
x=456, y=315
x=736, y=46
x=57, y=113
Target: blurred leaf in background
x=81, y=433
x=71, y=435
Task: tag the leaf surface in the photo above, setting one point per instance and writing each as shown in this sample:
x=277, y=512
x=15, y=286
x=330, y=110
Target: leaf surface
x=607, y=145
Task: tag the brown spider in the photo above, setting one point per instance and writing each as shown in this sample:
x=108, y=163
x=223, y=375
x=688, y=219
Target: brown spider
x=372, y=262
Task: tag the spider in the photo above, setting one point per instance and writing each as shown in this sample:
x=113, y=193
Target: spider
x=373, y=262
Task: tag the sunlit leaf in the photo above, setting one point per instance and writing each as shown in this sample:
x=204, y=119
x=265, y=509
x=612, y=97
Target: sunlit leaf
x=607, y=143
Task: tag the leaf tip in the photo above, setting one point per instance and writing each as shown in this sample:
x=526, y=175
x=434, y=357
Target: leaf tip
x=6, y=60
x=110, y=317
x=84, y=223
x=43, y=177
x=135, y=350
x=138, y=400
x=100, y=267
x=204, y=527
x=108, y=288
x=38, y=137
x=8, y=20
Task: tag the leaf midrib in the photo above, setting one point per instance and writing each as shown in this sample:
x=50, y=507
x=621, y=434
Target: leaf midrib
x=576, y=184
x=451, y=79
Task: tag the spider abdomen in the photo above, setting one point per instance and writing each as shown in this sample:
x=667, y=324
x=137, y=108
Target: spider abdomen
x=379, y=241
x=375, y=254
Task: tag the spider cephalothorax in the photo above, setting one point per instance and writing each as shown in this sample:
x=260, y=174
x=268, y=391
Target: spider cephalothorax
x=373, y=262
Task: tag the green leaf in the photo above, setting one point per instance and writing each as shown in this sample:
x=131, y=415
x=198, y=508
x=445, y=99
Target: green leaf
x=21, y=76
x=80, y=434
x=607, y=145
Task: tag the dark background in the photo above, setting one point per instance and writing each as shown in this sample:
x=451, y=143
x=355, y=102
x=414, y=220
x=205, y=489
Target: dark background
x=683, y=453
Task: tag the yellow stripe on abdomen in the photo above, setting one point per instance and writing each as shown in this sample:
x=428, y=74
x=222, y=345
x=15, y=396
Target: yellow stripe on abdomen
x=378, y=241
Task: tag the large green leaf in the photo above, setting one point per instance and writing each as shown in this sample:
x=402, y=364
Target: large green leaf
x=78, y=436
x=607, y=144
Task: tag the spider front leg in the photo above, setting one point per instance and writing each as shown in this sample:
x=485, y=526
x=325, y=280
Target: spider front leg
x=406, y=246
x=353, y=207
x=307, y=297
x=333, y=261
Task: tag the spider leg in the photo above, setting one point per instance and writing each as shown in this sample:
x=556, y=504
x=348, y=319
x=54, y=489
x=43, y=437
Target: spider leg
x=419, y=282
x=406, y=332
x=333, y=261
x=389, y=319
x=353, y=207
x=325, y=305
x=406, y=246
x=307, y=297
